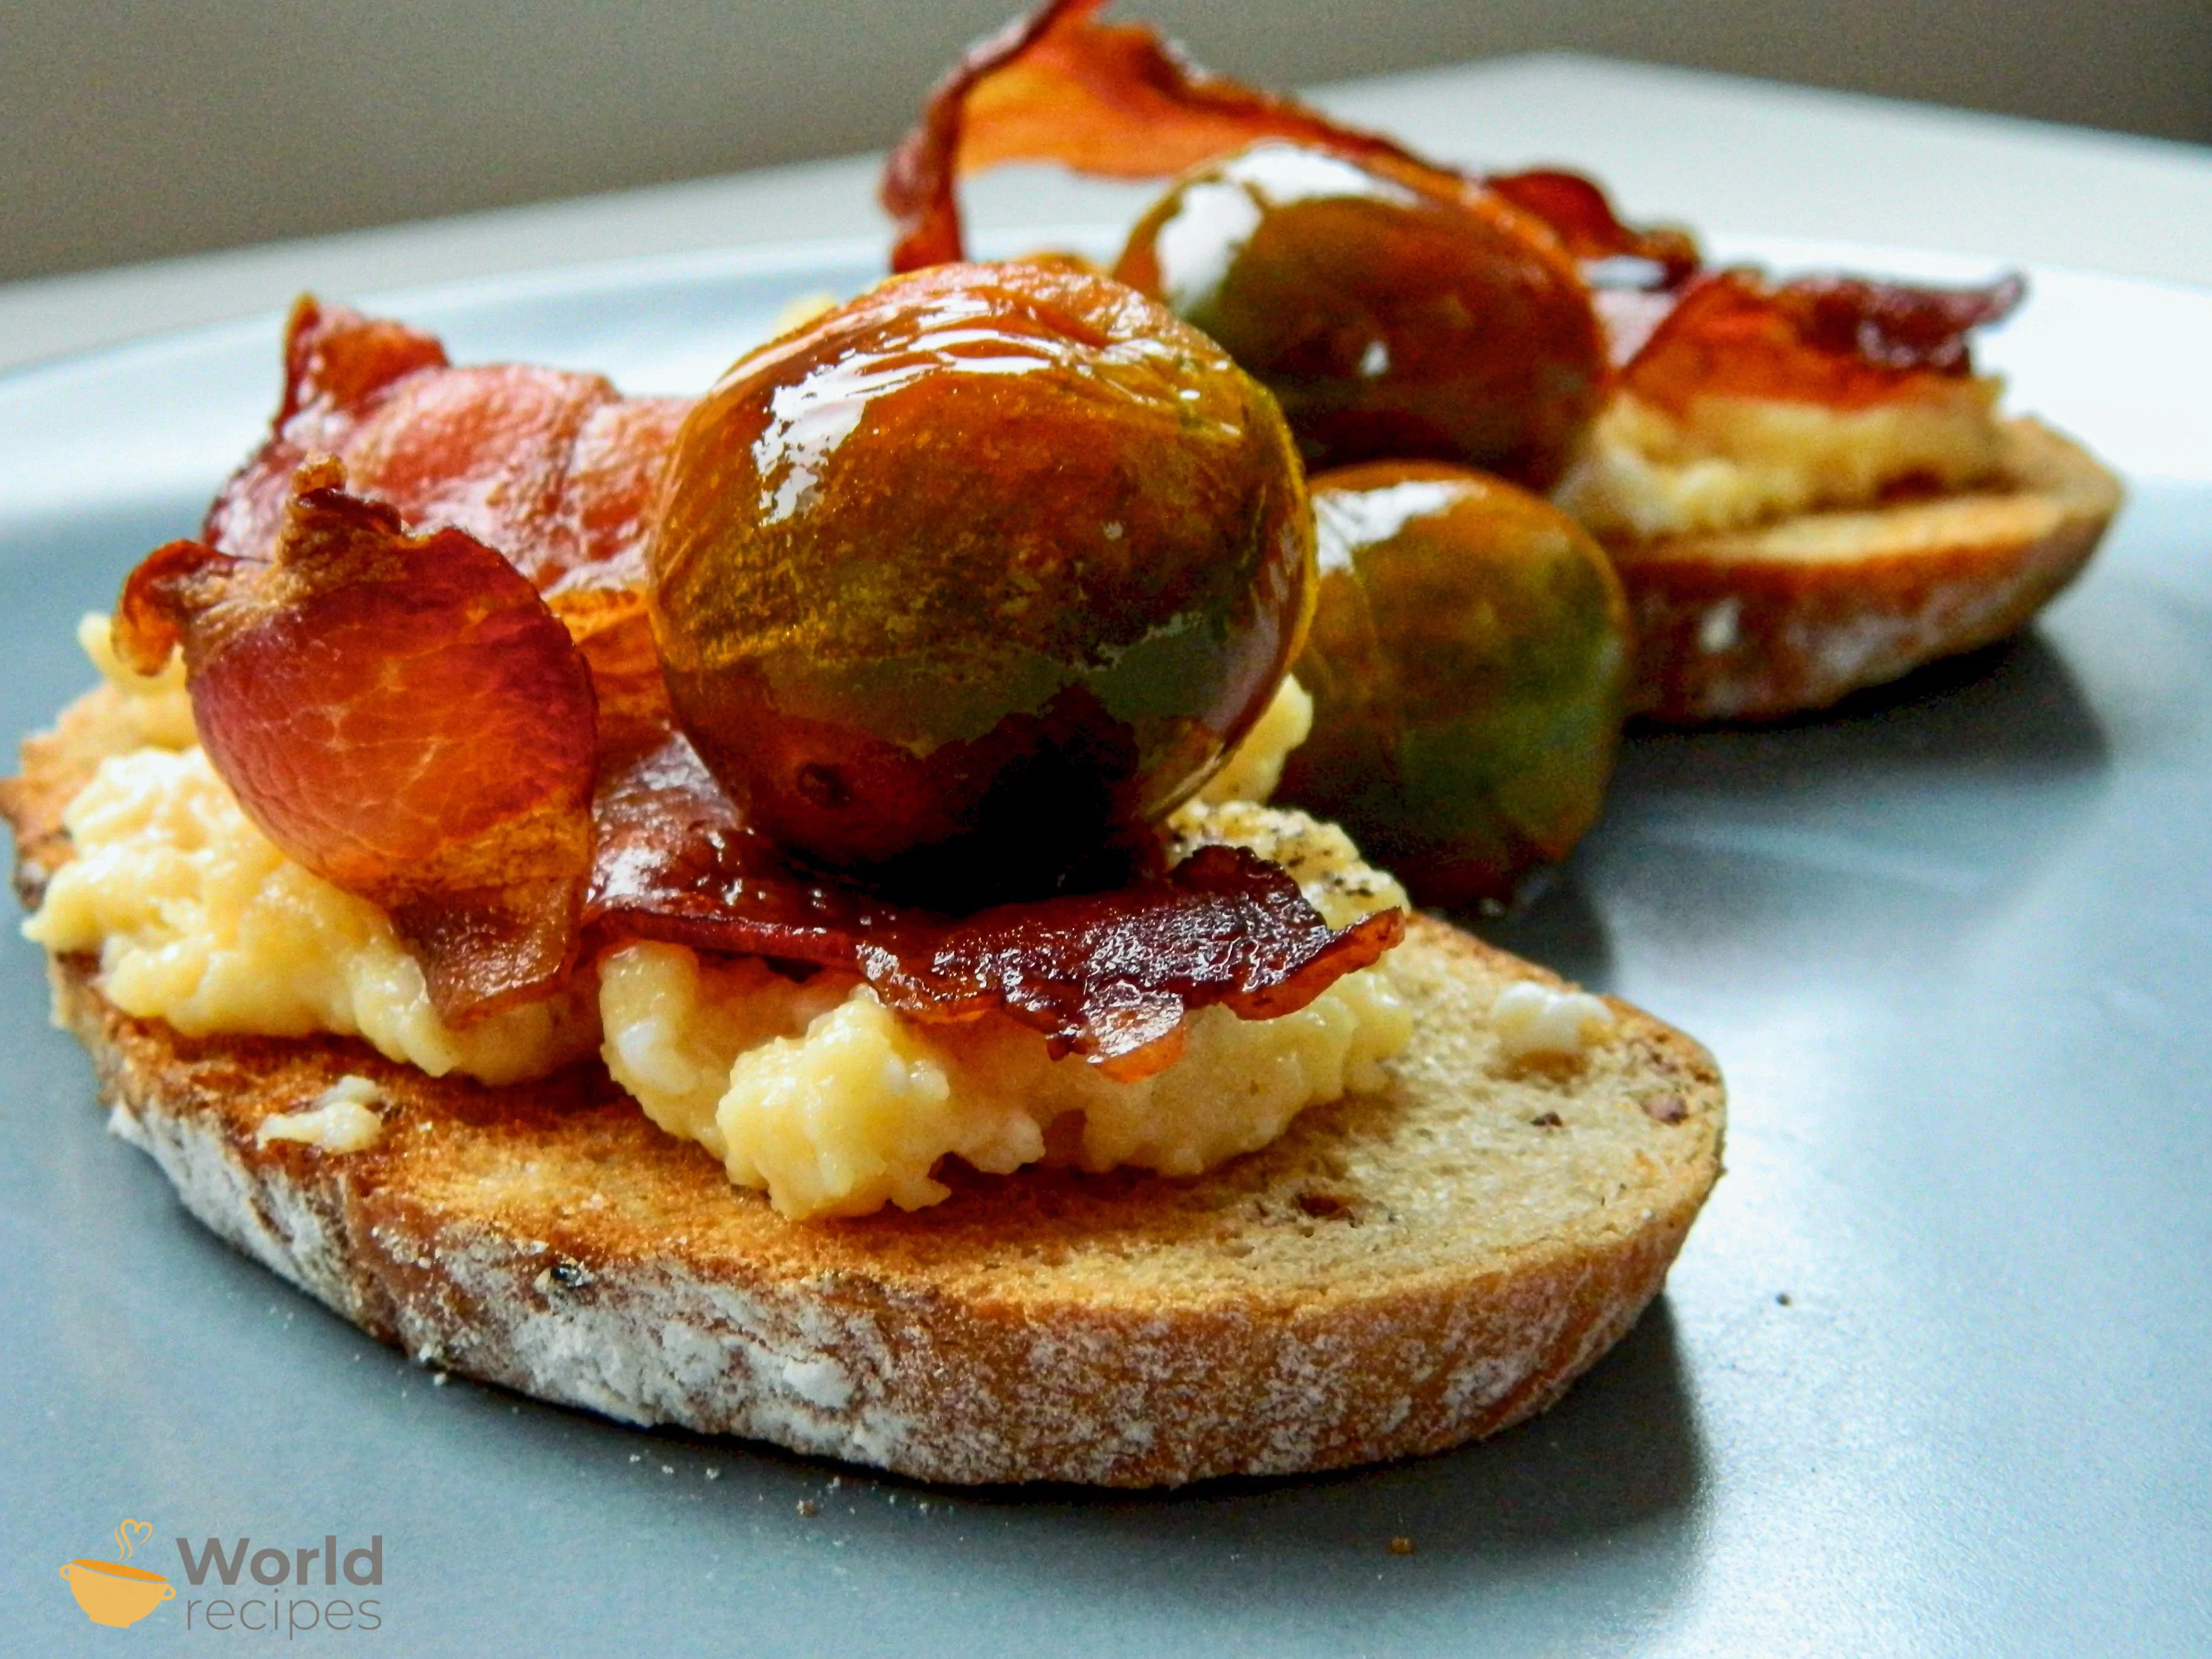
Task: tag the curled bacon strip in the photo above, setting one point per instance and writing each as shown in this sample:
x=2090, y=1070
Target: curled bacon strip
x=1580, y=214
x=553, y=470
x=676, y=860
x=614, y=634
x=401, y=715
x=1111, y=976
x=1116, y=101
x=1837, y=340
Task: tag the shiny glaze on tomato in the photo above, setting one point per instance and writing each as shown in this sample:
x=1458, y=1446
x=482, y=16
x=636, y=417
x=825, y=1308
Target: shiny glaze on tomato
x=1394, y=311
x=962, y=582
x=1468, y=665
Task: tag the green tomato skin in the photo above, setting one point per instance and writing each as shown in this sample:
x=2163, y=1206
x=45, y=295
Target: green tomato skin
x=960, y=587
x=1393, y=314
x=1468, y=665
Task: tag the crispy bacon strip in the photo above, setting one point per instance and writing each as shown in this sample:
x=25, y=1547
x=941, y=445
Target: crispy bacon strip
x=553, y=470
x=1580, y=216
x=676, y=860
x=403, y=715
x=1837, y=340
x=614, y=634
x=1116, y=101
x=1111, y=976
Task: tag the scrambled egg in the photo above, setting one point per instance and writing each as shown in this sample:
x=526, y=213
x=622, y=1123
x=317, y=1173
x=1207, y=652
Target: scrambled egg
x=199, y=920
x=817, y=1094
x=1533, y=1018
x=343, y=1118
x=156, y=711
x=1318, y=856
x=812, y=1091
x=1732, y=462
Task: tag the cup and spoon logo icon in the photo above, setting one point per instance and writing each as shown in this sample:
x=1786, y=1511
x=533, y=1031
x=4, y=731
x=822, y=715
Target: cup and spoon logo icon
x=114, y=1593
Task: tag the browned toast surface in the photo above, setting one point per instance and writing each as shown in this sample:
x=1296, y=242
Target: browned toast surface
x=1786, y=617
x=1400, y=1272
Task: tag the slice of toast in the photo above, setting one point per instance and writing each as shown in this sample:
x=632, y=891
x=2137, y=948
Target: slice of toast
x=1400, y=1272
x=1783, y=619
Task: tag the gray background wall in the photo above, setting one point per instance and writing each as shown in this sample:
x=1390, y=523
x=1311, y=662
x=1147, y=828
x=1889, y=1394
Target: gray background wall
x=134, y=130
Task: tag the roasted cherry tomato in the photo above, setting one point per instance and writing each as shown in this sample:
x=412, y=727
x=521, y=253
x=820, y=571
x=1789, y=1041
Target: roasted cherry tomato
x=1393, y=311
x=1468, y=664
x=959, y=584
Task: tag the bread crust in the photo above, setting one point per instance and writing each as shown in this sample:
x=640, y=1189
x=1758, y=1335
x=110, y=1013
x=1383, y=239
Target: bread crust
x=1400, y=1272
x=1784, y=618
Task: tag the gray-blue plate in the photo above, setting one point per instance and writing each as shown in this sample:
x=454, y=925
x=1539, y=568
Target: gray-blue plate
x=1933, y=1375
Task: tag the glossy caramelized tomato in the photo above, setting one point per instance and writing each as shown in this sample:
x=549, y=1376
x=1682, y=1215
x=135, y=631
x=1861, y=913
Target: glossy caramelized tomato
x=1393, y=311
x=1468, y=664
x=965, y=580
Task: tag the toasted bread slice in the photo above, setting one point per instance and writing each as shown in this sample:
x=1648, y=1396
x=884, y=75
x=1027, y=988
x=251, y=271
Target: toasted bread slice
x=1776, y=620
x=1401, y=1272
